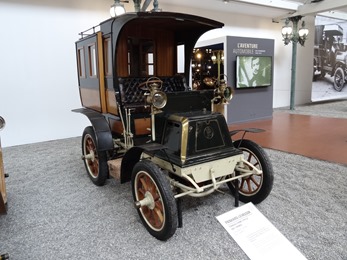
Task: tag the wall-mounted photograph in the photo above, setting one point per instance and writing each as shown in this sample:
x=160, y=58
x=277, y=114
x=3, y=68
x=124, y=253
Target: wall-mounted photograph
x=329, y=61
x=253, y=71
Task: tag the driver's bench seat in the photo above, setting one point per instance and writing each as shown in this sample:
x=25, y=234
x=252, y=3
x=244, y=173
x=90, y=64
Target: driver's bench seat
x=132, y=96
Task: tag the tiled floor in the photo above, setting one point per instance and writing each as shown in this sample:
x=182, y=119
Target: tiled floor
x=312, y=136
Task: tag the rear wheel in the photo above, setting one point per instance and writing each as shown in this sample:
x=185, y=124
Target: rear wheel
x=154, y=200
x=254, y=188
x=94, y=160
x=339, y=79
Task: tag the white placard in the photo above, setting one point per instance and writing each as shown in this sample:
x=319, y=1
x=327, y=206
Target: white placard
x=257, y=236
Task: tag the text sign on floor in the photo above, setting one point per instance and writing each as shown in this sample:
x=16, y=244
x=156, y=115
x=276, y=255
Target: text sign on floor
x=257, y=237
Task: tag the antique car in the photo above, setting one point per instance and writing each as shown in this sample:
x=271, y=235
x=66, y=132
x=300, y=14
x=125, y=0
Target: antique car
x=330, y=55
x=149, y=127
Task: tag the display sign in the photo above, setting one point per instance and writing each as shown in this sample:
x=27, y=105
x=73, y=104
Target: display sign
x=257, y=237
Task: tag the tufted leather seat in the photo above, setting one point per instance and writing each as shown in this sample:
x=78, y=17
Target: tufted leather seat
x=130, y=91
x=132, y=95
x=174, y=84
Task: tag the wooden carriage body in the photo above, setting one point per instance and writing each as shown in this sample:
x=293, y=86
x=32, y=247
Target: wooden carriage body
x=114, y=57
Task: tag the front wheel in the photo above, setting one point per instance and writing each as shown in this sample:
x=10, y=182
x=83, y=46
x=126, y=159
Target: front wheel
x=94, y=160
x=254, y=188
x=154, y=200
x=339, y=79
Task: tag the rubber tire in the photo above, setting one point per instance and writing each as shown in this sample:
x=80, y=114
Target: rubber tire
x=254, y=151
x=340, y=81
x=100, y=173
x=169, y=224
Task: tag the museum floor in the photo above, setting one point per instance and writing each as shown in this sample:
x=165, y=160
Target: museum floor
x=314, y=136
x=55, y=212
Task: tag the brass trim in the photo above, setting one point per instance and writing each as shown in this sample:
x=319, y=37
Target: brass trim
x=184, y=141
x=100, y=53
x=184, y=135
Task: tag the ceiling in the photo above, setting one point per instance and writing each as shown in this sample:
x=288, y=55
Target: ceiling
x=275, y=9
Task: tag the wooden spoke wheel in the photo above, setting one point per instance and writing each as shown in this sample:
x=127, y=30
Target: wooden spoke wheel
x=254, y=188
x=154, y=200
x=94, y=161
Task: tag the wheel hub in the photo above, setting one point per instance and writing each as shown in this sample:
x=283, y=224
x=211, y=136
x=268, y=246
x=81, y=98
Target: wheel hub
x=89, y=156
x=148, y=201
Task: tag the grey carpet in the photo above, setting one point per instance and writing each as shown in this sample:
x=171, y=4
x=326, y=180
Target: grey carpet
x=55, y=212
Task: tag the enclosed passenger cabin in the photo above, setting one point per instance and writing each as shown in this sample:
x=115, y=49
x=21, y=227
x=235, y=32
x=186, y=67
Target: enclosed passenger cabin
x=120, y=53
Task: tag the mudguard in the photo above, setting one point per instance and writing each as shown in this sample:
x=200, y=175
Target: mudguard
x=246, y=130
x=133, y=155
x=101, y=128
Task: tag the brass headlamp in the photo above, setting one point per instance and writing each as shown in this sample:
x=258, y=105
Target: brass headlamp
x=223, y=93
x=156, y=97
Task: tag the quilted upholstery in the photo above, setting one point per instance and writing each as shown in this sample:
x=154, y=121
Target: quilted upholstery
x=131, y=94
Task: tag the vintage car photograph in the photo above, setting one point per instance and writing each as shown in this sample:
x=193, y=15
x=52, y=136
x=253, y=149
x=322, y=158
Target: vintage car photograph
x=329, y=59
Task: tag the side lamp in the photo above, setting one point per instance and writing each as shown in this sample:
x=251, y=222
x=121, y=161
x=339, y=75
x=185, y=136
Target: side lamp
x=117, y=9
x=222, y=93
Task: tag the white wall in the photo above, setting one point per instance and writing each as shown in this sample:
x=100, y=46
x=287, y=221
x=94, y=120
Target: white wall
x=38, y=83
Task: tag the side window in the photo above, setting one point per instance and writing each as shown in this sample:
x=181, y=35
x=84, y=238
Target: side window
x=150, y=64
x=141, y=57
x=180, y=58
x=108, y=56
x=92, y=60
x=147, y=59
x=80, y=63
